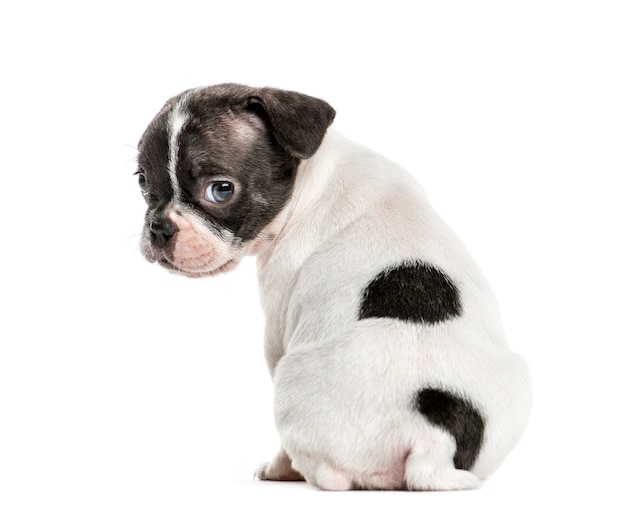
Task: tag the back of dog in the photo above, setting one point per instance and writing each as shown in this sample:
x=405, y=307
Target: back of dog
x=396, y=371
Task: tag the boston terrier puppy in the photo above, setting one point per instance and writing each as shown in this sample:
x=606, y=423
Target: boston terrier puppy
x=383, y=339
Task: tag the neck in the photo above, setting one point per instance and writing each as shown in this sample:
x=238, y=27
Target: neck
x=312, y=178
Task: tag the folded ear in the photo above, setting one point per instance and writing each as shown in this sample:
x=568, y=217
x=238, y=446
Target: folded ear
x=299, y=122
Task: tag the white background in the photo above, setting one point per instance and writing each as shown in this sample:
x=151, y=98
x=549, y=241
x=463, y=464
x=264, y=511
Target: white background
x=126, y=391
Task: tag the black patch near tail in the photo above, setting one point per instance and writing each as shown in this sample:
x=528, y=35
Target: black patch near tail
x=458, y=417
x=413, y=292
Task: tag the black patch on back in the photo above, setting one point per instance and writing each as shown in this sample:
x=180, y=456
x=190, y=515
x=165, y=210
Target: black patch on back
x=412, y=292
x=458, y=417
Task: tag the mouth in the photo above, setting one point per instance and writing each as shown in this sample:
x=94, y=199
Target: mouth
x=228, y=265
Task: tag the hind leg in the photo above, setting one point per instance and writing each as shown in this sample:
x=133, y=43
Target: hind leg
x=430, y=465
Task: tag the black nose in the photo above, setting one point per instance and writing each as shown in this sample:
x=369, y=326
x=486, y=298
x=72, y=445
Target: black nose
x=161, y=230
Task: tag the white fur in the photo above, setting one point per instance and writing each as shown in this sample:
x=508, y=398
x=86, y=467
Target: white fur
x=343, y=386
x=177, y=120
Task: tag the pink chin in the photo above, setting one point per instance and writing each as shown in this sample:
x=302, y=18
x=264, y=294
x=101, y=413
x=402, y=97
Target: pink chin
x=196, y=273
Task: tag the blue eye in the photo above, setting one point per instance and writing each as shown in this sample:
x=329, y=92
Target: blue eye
x=143, y=184
x=219, y=192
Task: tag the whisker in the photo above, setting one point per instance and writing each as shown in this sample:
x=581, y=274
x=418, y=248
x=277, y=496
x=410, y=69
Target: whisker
x=134, y=158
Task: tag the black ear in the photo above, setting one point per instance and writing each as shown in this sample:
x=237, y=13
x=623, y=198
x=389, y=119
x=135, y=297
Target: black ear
x=299, y=122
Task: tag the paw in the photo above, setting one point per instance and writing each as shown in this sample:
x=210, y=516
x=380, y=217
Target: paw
x=328, y=478
x=278, y=469
x=261, y=473
x=442, y=480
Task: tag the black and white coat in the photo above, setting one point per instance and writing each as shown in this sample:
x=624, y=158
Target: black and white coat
x=384, y=341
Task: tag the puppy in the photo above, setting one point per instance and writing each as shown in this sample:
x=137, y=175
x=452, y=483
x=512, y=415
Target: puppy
x=384, y=342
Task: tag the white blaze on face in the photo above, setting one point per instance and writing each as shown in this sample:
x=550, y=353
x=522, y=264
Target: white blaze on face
x=196, y=249
x=177, y=120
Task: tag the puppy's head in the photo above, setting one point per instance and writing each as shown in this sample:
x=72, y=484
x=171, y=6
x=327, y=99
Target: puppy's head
x=216, y=166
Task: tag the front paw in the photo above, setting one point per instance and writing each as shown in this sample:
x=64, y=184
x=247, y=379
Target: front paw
x=262, y=471
x=278, y=469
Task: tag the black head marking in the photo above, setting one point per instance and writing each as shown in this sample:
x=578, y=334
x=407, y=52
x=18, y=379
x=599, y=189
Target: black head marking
x=253, y=138
x=413, y=292
x=154, y=156
x=458, y=417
